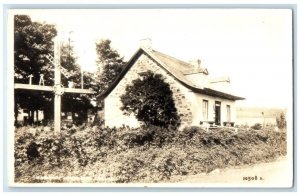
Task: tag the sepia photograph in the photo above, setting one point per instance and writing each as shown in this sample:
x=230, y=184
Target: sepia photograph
x=150, y=97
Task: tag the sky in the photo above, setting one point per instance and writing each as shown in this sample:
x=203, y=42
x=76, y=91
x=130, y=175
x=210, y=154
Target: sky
x=251, y=46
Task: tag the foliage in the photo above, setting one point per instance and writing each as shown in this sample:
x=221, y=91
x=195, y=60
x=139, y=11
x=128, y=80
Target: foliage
x=257, y=126
x=110, y=64
x=32, y=44
x=138, y=155
x=151, y=101
x=70, y=100
x=281, y=121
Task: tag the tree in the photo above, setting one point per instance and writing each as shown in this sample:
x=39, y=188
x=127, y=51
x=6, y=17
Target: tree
x=150, y=99
x=281, y=121
x=32, y=44
x=110, y=64
x=74, y=103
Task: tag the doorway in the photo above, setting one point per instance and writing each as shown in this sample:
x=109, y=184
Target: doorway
x=218, y=113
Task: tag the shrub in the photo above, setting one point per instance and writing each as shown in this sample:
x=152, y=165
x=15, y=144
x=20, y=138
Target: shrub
x=145, y=154
x=150, y=99
x=127, y=167
x=257, y=126
x=281, y=121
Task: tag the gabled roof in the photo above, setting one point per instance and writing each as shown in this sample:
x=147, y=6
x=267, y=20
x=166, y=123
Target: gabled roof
x=177, y=68
x=184, y=67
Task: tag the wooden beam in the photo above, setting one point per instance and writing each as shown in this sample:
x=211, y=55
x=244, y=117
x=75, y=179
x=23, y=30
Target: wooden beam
x=33, y=87
x=58, y=89
x=57, y=114
x=50, y=88
x=57, y=82
x=77, y=90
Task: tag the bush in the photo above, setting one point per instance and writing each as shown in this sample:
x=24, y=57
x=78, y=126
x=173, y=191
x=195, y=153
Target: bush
x=146, y=154
x=257, y=126
x=150, y=99
x=281, y=121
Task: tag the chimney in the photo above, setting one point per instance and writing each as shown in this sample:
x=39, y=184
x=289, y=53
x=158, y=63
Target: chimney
x=196, y=63
x=146, y=43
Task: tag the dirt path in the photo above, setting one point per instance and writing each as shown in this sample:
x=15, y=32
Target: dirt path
x=273, y=174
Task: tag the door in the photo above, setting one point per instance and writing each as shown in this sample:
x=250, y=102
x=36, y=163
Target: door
x=218, y=113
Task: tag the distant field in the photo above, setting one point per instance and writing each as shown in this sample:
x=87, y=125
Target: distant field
x=251, y=115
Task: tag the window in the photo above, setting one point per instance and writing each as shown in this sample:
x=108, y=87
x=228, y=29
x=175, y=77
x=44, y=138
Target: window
x=205, y=109
x=228, y=113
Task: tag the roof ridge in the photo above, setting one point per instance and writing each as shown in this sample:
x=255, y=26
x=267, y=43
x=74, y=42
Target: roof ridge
x=184, y=62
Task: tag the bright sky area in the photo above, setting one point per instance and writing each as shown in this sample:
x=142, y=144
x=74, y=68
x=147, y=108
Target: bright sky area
x=251, y=46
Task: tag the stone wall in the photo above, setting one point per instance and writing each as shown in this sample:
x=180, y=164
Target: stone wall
x=115, y=117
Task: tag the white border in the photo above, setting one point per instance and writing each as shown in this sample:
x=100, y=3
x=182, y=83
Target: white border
x=10, y=101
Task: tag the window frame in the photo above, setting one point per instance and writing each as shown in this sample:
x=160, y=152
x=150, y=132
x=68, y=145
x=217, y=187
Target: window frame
x=205, y=104
x=228, y=113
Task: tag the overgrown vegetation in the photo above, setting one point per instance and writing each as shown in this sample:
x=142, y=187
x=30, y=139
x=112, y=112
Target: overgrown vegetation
x=281, y=121
x=147, y=154
x=150, y=99
x=257, y=126
x=109, y=65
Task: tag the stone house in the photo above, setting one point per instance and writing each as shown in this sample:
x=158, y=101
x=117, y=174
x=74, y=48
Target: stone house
x=199, y=99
